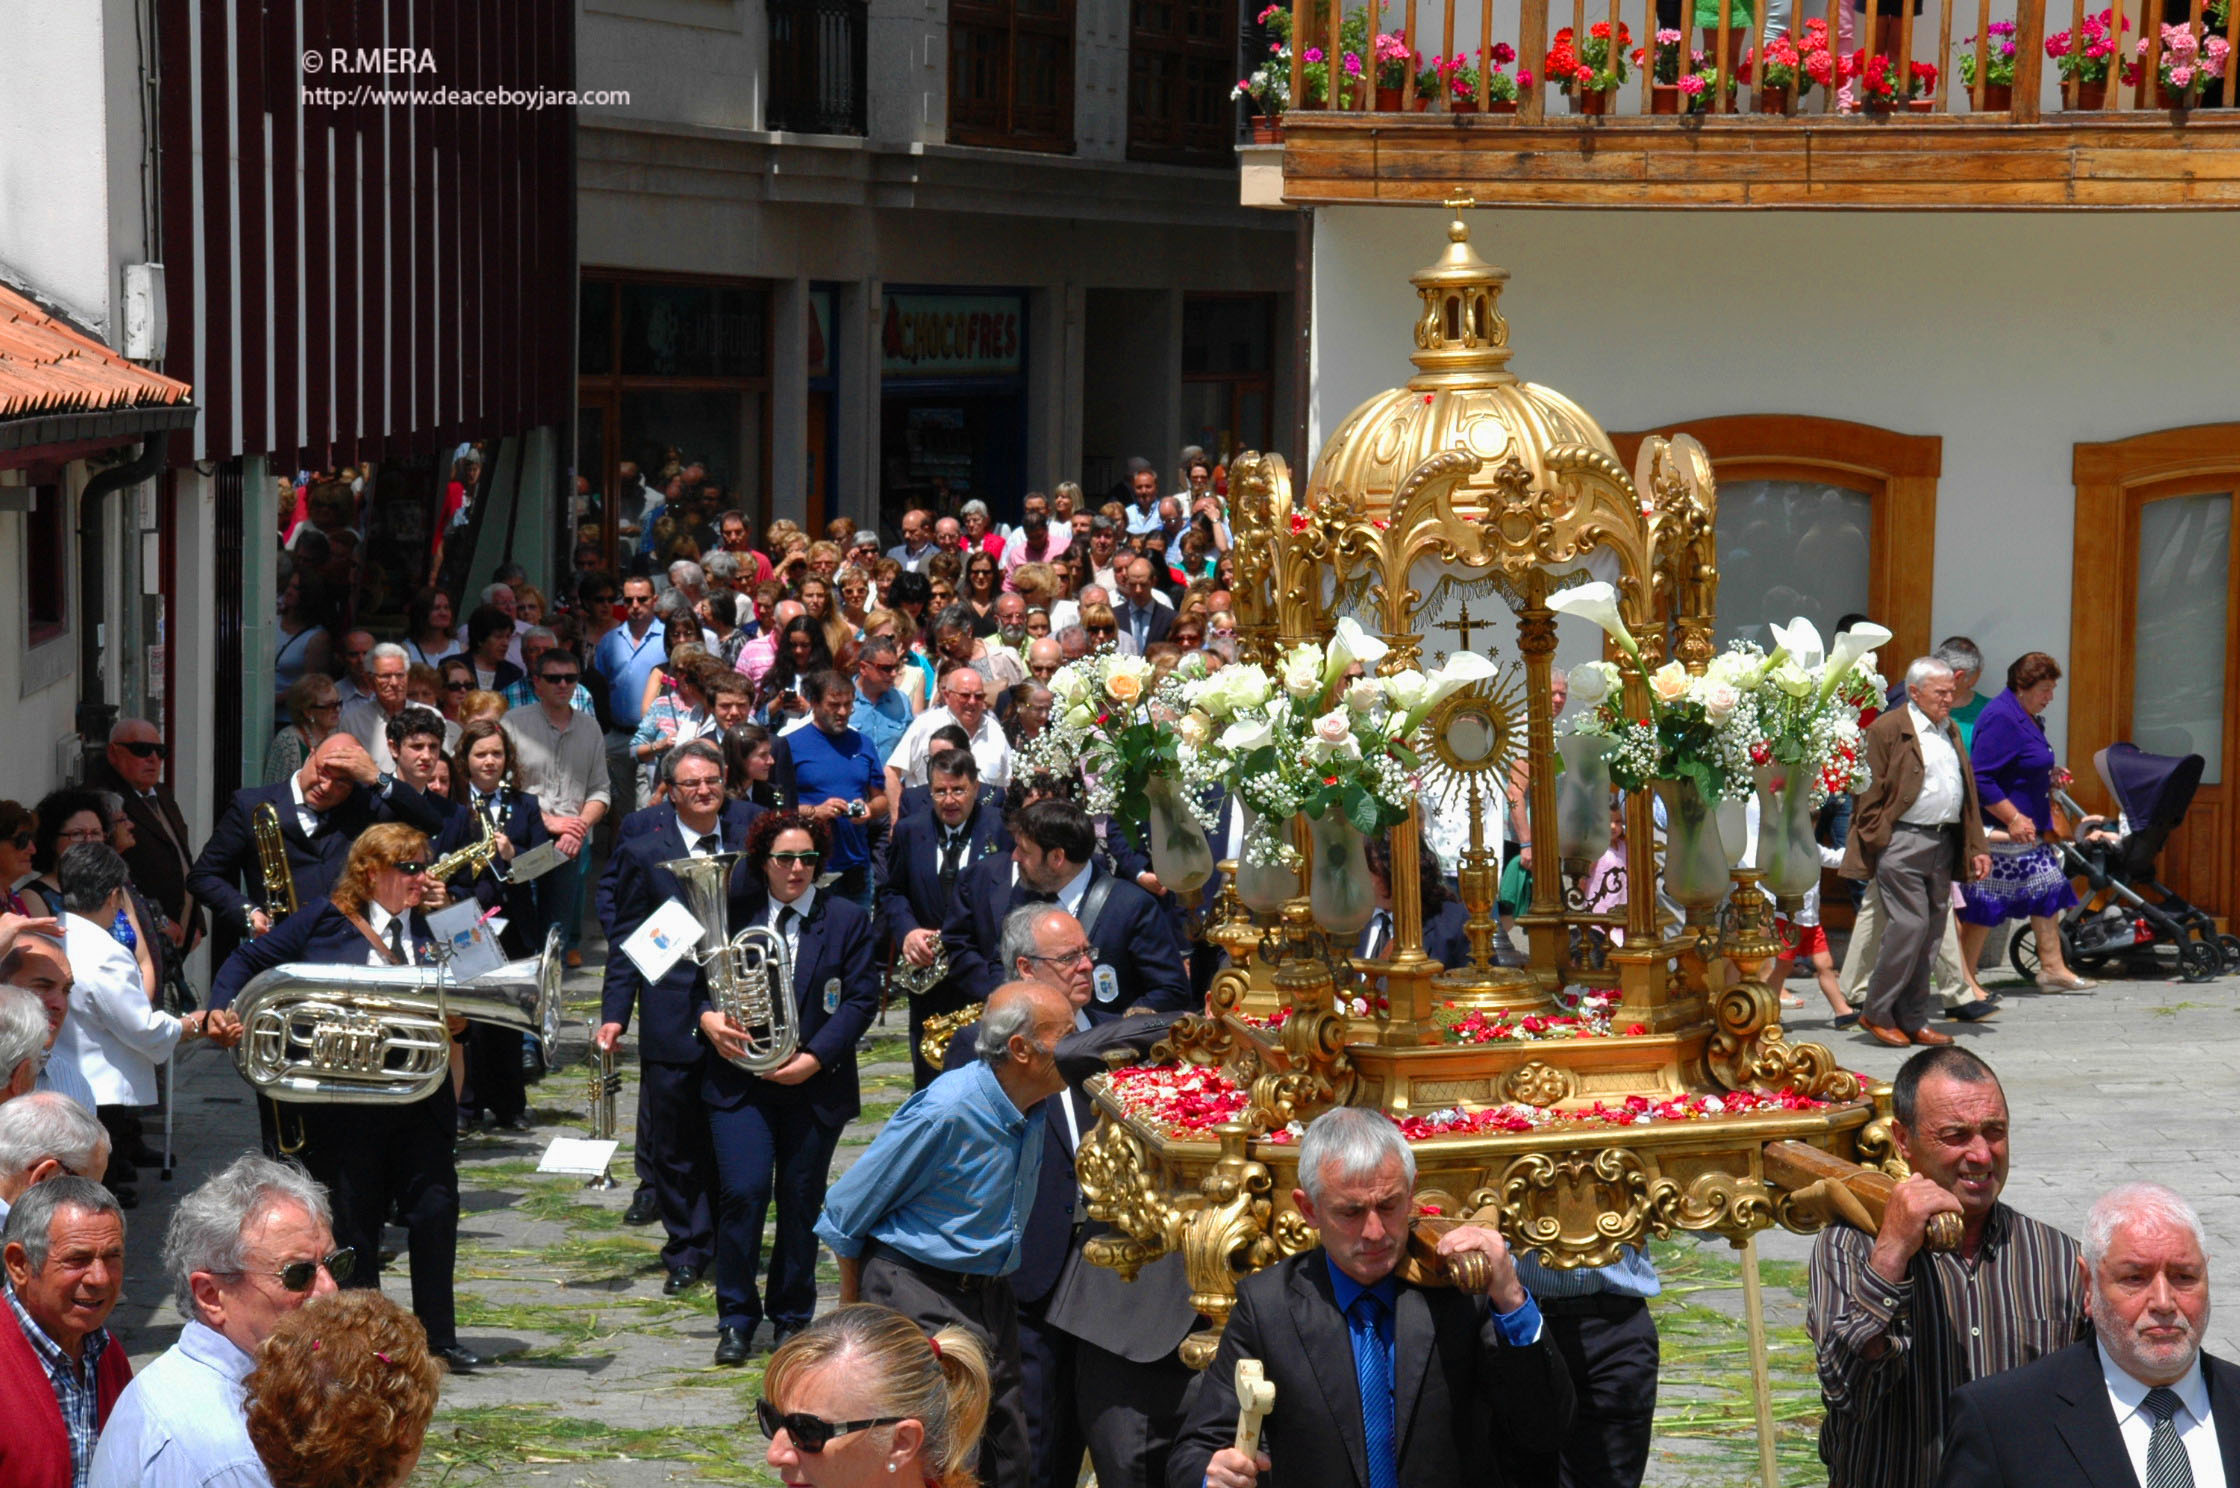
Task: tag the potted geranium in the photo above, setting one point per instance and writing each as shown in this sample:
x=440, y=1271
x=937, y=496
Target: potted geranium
x=1669, y=92
x=1314, y=79
x=1588, y=68
x=2084, y=58
x=1780, y=77
x=2187, y=64
x=1877, y=80
x=1700, y=89
x=1459, y=81
x=1395, y=60
x=1268, y=87
x=1997, y=93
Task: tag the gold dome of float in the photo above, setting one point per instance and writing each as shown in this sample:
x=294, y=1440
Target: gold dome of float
x=1463, y=397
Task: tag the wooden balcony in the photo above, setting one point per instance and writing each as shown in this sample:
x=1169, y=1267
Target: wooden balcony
x=1952, y=147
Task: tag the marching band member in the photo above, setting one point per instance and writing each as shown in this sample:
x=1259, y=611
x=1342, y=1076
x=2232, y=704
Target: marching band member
x=323, y=808
x=480, y=769
x=416, y=738
x=776, y=1133
x=926, y=856
x=369, y=1156
x=1138, y=944
x=672, y=1143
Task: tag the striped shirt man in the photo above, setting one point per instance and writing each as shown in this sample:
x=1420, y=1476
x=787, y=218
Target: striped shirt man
x=1891, y=1354
x=77, y=1387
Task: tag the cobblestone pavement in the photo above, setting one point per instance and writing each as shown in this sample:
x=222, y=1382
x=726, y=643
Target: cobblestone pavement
x=604, y=1381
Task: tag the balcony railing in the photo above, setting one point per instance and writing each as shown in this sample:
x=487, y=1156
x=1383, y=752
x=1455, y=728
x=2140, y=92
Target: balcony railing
x=2175, y=63
x=817, y=52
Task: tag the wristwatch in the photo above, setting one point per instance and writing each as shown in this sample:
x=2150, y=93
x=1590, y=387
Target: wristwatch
x=383, y=783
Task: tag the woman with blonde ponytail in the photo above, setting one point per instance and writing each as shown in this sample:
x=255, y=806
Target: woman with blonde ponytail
x=861, y=1397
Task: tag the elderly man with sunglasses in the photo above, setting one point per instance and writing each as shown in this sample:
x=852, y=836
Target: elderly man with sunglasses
x=248, y=1247
x=160, y=856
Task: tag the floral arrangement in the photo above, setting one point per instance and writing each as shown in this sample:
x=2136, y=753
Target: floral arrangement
x=1877, y=79
x=1698, y=728
x=1118, y=727
x=1182, y=1099
x=1268, y=86
x=1459, y=77
x=1699, y=88
x=2084, y=57
x=1591, y=64
x=1395, y=60
x=1314, y=738
x=1667, y=66
x=2187, y=62
x=1314, y=79
x=1795, y=64
x=1998, y=56
x=1592, y=1020
x=1807, y=704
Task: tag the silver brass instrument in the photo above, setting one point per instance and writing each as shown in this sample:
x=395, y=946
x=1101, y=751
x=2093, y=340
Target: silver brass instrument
x=272, y=863
x=750, y=976
x=917, y=981
x=378, y=1035
x=606, y=1089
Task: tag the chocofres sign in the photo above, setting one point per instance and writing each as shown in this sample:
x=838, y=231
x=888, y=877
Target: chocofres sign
x=932, y=335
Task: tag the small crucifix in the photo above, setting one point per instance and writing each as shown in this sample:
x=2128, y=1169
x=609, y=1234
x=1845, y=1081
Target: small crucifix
x=1462, y=625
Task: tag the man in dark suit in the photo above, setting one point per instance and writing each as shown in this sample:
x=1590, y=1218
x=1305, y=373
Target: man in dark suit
x=1142, y=618
x=926, y=856
x=160, y=859
x=1138, y=946
x=1917, y=827
x=1443, y=916
x=775, y=1133
x=2140, y=1402
x=1378, y=1382
x=673, y=1143
x=371, y=1157
x=323, y=808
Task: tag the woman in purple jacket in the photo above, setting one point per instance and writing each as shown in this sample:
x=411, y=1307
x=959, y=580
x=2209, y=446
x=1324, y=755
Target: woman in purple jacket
x=2014, y=767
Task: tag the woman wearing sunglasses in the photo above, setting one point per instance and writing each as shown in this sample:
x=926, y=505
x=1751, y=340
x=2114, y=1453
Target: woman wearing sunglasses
x=774, y=1134
x=369, y=1155
x=481, y=771
x=861, y=1397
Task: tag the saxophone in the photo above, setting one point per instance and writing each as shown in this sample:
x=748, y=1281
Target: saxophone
x=942, y=1029
x=272, y=861
x=477, y=855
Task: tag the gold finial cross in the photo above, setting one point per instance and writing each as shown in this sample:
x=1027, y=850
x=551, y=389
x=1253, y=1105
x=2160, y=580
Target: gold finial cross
x=1462, y=624
x=1461, y=203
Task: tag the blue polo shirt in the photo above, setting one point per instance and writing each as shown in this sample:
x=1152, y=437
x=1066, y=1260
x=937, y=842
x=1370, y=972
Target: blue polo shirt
x=844, y=765
x=883, y=722
x=626, y=664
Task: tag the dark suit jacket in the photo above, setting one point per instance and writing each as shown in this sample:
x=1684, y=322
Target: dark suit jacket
x=162, y=854
x=1134, y=936
x=2050, y=1422
x=633, y=887
x=1469, y=1408
x=909, y=877
x=1155, y=630
x=317, y=932
x=521, y=819
x=835, y=946
x=1894, y=761
x=229, y=859
x=917, y=800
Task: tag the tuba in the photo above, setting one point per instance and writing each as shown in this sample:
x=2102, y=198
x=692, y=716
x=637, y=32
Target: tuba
x=750, y=980
x=272, y=862
x=379, y=1035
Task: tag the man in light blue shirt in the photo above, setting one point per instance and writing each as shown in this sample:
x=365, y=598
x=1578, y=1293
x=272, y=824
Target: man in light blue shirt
x=930, y=1219
x=624, y=658
x=248, y=1247
x=883, y=714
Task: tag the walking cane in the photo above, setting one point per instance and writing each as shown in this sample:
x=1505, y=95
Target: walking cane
x=170, y=1095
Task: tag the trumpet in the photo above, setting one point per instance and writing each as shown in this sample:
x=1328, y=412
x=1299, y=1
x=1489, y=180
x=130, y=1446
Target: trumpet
x=917, y=981
x=606, y=1088
x=272, y=863
x=750, y=976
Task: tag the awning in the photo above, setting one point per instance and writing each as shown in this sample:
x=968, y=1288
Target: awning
x=61, y=387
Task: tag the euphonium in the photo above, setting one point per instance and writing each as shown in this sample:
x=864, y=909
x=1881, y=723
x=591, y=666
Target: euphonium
x=377, y=1035
x=272, y=861
x=750, y=977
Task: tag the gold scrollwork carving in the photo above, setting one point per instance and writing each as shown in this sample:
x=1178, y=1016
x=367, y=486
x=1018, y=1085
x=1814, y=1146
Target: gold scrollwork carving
x=1225, y=1238
x=1729, y=1203
x=1538, y=1084
x=1749, y=1052
x=1574, y=1208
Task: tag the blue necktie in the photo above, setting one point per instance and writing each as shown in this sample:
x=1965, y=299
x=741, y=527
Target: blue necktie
x=1372, y=1365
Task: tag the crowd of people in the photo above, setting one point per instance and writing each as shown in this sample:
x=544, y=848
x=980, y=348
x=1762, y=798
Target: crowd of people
x=845, y=727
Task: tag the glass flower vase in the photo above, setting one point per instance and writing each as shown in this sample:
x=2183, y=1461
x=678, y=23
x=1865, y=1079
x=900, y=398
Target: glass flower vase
x=1338, y=883
x=1583, y=798
x=1788, y=848
x=1263, y=888
x=1695, y=861
x=1180, y=854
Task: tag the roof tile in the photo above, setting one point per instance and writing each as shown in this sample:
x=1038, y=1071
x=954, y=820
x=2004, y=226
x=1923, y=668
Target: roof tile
x=46, y=368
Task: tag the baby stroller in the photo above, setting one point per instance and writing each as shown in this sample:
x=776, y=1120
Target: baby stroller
x=2123, y=909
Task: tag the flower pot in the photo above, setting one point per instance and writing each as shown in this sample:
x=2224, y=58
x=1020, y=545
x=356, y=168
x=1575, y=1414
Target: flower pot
x=1664, y=98
x=1590, y=100
x=1388, y=100
x=1788, y=851
x=1921, y=105
x=1267, y=131
x=1180, y=854
x=2164, y=98
x=1583, y=797
x=1263, y=888
x=1995, y=98
x=1695, y=862
x=1501, y=106
x=1462, y=105
x=1338, y=885
x=1773, y=98
x=2084, y=96
x=1423, y=101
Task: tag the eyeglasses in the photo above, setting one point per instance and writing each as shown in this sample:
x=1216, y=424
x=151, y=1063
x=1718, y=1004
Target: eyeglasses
x=700, y=782
x=458, y=687
x=147, y=749
x=326, y=707
x=410, y=870
x=637, y=599
x=1102, y=629
x=566, y=679
x=297, y=1276
x=83, y=834
x=20, y=841
x=812, y=1433
x=794, y=857
x=1068, y=958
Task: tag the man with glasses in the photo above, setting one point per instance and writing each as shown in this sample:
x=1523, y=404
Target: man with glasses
x=132, y=768
x=1044, y=657
x=45, y=1135
x=964, y=702
x=366, y=719
x=560, y=757
x=375, y=1157
x=948, y=537
x=535, y=641
x=675, y=1156
x=251, y=1245
x=624, y=658
x=883, y=714
x=926, y=855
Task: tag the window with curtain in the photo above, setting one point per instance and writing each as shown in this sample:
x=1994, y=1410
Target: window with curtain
x=1789, y=548
x=2178, y=637
x=1011, y=74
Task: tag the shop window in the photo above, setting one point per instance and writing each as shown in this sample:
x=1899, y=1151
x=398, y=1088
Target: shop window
x=1182, y=62
x=2178, y=637
x=1011, y=74
x=46, y=575
x=1788, y=548
x=1228, y=355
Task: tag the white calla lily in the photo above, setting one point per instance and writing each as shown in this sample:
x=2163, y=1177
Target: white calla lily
x=1460, y=670
x=1597, y=602
x=1861, y=640
x=1349, y=645
x=1246, y=735
x=1801, y=639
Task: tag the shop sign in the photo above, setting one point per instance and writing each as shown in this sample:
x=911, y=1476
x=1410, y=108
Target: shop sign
x=934, y=335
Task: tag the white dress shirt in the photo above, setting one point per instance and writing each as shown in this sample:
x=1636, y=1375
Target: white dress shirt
x=792, y=932
x=378, y=921
x=112, y=1034
x=180, y=1423
x=2196, y=1428
x=1941, y=795
x=989, y=748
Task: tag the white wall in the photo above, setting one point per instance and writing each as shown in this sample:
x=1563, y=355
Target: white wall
x=38, y=718
x=681, y=61
x=2013, y=336
x=54, y=144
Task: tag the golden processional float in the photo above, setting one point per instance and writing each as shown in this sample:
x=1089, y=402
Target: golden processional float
x=1463, y=494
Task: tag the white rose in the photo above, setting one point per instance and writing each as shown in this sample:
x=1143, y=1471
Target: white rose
x=1302, y=674
x=1364, y=695
x=1669, y=682
x=1591, y=682
x=1334, y=727
x=1404, y=690
x=1194, y=729
x=1248, y=686
x=1794, y=680
x=1719, y=701
x=1080, y=719
x=1071, y=685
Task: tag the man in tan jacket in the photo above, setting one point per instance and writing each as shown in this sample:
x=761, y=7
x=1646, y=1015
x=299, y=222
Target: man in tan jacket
x=1916, y=828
